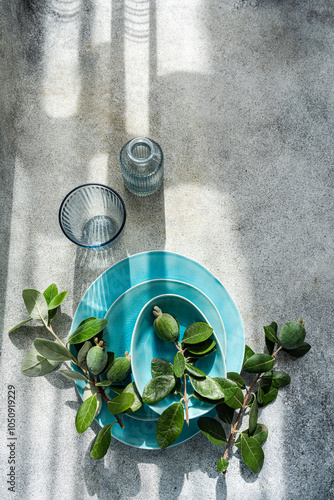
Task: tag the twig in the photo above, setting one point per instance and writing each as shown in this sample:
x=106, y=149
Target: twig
x=249, y=392
x=186, y=399
x=119, y=421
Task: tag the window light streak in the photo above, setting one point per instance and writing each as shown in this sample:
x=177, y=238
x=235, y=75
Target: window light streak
x=61, y=83
x=98, y=167
x=182, y=40
x=101, y=28
x=137, y=66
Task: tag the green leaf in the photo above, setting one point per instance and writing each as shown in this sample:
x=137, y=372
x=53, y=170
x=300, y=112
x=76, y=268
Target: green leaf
x=260, y=395
x=222, y=464
x=212, y=429
x=170, y=425
x=202, y=348
x=228, y=387
x=160, y=367
x=268, y=394
x=193, y=370
x=258, y=363
x=225, y=413
x=57, y=300
x=270, y=345
x=36, y=305
x=299, y=351
x=206, y=400
x=101, y=443
x=87, y=330
x=235, y=377
x=273, y=325
x=197, y=332
x=72, y=375
x=207, y=387
x=137, y=403
x=19, y=325
x=85, y=414
x=260, y=434
x=121, y=403
x=179, y=364
x=193, y=358
x=36, y=365
x=103, y=383
x=248, y=353
x=276, y=378
x=52, y=350
x=158, y=388
x=251, y=453
x=270, y=333
x=50, y=293
x=177, y=387
x=237, y=400
x=82, y=354
x=91, y=390
x=253, y=416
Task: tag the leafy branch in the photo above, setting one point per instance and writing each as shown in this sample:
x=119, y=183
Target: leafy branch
x=97, y=367
x=290, y=338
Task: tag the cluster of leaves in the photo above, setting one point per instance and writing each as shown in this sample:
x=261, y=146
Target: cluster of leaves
x=171, y=378
x=46, y=355
x=262, y=391
x=230, y=394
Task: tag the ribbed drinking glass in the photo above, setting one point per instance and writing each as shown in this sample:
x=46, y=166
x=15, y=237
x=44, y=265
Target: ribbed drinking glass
x=92, y=216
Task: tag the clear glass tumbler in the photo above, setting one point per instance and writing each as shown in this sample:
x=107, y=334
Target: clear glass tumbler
x=92, y=216
x=142, y=165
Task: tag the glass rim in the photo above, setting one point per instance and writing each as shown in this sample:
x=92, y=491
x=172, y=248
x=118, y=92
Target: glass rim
x=100, y=245
x=140, y=140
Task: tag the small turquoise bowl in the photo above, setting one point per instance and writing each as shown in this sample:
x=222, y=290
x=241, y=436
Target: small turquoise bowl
x=146, y=345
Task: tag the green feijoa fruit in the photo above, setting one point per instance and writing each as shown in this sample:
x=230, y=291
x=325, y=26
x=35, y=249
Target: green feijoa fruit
x=96, y=359
x=165, y=325
x=291, y=335
x=119, y=369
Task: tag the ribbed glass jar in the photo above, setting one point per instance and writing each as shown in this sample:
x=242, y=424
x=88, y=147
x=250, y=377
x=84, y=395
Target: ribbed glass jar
x=142, y=165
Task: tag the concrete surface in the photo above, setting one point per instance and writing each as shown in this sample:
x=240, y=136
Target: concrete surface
x=239, y=94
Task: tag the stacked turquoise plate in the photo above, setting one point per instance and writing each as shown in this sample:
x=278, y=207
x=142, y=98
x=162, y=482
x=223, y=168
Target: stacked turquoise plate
x=137, y=279
x=145, y=345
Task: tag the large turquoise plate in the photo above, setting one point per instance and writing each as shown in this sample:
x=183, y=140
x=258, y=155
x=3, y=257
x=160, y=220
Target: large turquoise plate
x=151, y=266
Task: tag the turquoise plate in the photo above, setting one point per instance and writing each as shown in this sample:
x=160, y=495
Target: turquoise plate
x=149, y=266
x=146, y=345
x=123, y=314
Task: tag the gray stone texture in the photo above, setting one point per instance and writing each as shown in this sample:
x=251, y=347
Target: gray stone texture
x=239, y=94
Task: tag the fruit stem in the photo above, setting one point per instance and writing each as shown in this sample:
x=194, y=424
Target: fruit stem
x=276, y=352
x=157, y=311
